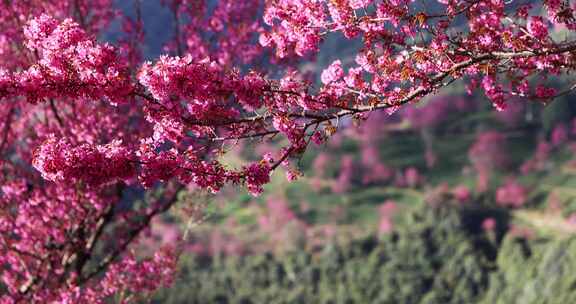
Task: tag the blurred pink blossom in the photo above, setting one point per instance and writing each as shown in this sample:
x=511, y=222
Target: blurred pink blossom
x=513, y=113
x=344, y=180
x=489, y=224
x=538, y=161
x=461, y=193
x=412, y=177
x=386, y=211
x=511, y=194
x=486, y=154
x=559, y=134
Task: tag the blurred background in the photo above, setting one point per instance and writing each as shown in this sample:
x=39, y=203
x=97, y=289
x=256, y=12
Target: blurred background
x=444, y=201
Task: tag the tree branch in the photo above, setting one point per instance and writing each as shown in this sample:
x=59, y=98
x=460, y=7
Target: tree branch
x=6, y=131
x=112, y=256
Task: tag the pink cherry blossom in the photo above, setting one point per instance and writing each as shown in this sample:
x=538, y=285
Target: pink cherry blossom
x=461, y=193
x=333, y=73
x=511, y=194
x=386, y=212
x=489, y=224
x=537, y=28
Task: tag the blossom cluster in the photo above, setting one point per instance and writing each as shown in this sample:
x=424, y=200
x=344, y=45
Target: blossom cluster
x=70, y=65
x=59, y=161
x=202, y=85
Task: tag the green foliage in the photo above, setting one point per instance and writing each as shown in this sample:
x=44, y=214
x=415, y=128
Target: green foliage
x=534, y=272
x=436, y=255
x=431, y=259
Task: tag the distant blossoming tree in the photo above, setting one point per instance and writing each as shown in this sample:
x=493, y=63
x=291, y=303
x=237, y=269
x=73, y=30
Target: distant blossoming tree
x=83, y=122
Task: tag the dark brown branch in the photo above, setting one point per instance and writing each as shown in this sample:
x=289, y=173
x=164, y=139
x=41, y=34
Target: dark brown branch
x=6, y=131
x=249, y=136
x=112, y=256
x=85, y=256
x=78, y=13
x=176, y=20
x=56, y=114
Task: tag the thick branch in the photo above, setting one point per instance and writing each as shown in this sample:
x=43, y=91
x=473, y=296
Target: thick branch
x=144, y=223
x=6, y=130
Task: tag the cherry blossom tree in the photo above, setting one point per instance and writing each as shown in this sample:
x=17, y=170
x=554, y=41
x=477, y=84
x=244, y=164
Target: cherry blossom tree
x=84, y=123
